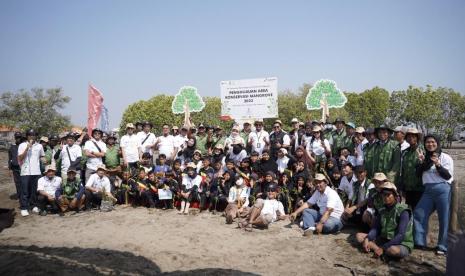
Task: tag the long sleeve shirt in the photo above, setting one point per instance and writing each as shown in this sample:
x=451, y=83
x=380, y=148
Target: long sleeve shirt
x=400, y=234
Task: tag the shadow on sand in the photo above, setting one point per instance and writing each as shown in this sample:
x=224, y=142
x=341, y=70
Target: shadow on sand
x=32, y=260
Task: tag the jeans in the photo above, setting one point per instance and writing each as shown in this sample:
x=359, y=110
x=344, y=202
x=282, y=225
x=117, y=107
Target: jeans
x=435, y=197
x=28, y=196
x=311, y=217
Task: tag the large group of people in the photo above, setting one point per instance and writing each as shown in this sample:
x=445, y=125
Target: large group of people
x=322, y=176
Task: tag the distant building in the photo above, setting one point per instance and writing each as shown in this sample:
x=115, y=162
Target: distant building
x=7, y=133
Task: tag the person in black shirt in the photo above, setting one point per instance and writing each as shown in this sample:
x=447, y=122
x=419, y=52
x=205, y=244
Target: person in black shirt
x=13, y=165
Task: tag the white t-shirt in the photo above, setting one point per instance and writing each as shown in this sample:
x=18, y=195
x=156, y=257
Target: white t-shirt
x=130, y=145
x=49, y=186
x=166, y=146
x=237, y=158
x=316, y=147
x=359, y=150
x=348, y=186
x=31, y=162
x=75, y=152
x=432, y=175
x=99, y=183
x=93, y=162
x=180, y=140
x=191, y=182
x=282, y=163
x=259, y=140
x=270, y=207
x=328, y=199
x=148, y=143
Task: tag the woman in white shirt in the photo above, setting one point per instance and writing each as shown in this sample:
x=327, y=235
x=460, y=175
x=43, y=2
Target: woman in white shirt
x=436, y=169
x=319, y=146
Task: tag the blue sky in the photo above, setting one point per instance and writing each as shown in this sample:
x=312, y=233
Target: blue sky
x=134, y=50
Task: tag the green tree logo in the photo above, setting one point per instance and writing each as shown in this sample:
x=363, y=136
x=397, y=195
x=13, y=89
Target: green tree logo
x=325, y=94
x=188, y=100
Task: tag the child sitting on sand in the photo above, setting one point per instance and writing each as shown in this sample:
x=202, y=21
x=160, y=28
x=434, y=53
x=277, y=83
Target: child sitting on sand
x=264, y=211
x=238, y=200
x=189, y=191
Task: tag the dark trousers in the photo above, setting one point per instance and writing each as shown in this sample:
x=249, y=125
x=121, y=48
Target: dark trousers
x=28, y=198
x=219, y=203
x=17, y=180
x=42, y=202
x=93, y=199
x=412, y=198
x=150, y=197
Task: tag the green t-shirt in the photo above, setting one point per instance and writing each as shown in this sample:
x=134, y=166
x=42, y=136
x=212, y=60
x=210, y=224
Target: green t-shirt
x=112, y=158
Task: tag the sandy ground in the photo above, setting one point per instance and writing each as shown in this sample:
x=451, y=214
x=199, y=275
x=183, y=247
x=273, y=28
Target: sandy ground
x=138, y=241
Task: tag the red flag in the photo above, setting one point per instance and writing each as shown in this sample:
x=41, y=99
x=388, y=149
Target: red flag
x=94, y=108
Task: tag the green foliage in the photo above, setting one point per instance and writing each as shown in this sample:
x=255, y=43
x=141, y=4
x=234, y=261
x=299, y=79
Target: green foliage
x=325, y=89
x=369, y=108
x=187, y=95
x=441, y=110
x=37, y=108
x=158, y=111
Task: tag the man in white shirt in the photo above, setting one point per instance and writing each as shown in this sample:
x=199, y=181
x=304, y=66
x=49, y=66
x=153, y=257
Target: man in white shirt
x=46, y=189
x=259, y=139
x=94, y=149
x=96, y=185
x=146, y=138
x=69, y=153
x=165, y=143
x=328, y=219
x=130, y=147
x=30, y=153
x=264, y=211
x=180, y=140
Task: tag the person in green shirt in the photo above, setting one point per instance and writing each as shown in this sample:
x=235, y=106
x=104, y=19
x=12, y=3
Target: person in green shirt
x=384, y=151
x=349, y=139
x=246, y=129
x=218, y=138
x=113, y=153
x=338, y=136
x=399, y=136
x=202, y=139
x=369, y=152
x=392, y=233
x=412, y=185
x=71, y=192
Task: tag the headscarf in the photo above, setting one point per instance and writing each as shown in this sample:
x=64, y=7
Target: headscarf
x=428, y=162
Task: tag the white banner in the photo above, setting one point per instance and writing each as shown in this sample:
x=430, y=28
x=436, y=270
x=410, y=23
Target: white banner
x=249, y=98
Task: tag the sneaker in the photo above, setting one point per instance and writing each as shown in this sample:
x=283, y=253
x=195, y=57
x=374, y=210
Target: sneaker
x=43, y=213
x=440, y=252
x=24, y=213
x=309, y=231
x=35, y=210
